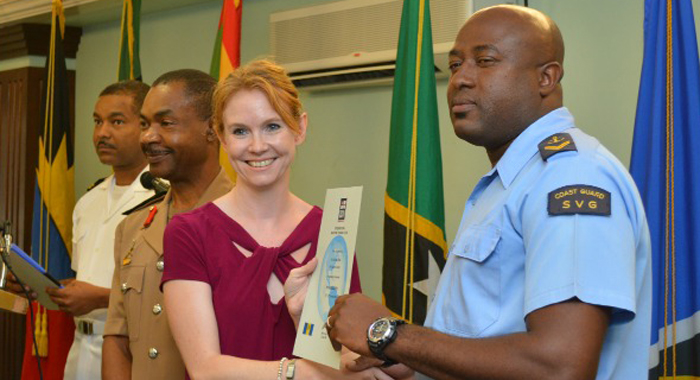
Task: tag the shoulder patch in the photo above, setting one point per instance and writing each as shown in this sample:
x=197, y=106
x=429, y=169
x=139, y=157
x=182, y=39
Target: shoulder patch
x=556, y=143
x=99, y=181
x=150, y=201
x=579, y=199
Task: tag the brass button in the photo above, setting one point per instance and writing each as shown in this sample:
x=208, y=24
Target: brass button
x=160, y=265
x=157, y=309
x=152, y=353
x=124, y=287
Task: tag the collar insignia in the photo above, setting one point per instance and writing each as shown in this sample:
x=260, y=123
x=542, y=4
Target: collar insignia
x=153, y=210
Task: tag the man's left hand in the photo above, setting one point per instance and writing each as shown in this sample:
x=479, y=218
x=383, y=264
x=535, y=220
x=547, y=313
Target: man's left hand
x=350, y=318
x=78, y=297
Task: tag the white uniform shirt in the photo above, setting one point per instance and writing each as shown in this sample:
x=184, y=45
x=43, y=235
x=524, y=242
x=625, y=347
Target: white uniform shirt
x=95, y=219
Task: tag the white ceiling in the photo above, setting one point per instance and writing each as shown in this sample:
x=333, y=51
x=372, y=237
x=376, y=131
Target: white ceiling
x=79, y=12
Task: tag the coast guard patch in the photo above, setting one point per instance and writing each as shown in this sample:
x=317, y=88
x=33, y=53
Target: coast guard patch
x=579, y=199
x=556, y=143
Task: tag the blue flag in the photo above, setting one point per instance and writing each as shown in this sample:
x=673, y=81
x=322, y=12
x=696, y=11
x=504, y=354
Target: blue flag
x=53, y=208
x=666, y=167
x=54, y=196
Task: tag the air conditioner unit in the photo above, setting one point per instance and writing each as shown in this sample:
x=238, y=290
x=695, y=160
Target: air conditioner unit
x=353, y=42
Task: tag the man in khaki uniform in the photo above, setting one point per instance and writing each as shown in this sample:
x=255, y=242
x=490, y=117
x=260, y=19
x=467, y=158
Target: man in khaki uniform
x=181, y=147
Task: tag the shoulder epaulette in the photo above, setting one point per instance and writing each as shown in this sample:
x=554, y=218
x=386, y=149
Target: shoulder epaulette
x=99, y=181
x=150, y=201
x=556, y=143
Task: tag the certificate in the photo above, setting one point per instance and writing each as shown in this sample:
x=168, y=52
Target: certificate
x=335, y=253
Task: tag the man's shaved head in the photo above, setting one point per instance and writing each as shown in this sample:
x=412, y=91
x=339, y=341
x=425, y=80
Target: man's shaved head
x=539, y=32
x=507, y=64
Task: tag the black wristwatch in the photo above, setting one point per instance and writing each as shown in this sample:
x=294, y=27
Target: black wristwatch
x=380, y=333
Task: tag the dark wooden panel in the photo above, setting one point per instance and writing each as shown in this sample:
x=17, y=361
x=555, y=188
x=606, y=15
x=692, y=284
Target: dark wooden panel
x=34, y=39
x=11, y=345
x=18, y=157
x=13, y=200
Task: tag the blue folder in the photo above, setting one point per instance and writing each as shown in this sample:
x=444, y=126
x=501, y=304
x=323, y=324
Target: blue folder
x=33, y=275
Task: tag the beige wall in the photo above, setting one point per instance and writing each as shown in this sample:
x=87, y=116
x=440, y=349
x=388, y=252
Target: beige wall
x=348, y=133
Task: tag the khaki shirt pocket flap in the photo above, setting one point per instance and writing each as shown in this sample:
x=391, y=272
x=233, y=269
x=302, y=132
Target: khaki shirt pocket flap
x=132, y=278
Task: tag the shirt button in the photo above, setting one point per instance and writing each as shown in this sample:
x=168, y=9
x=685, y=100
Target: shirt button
x=160, y=265
x=124, y=287
x=152, y=353
x=157, y=309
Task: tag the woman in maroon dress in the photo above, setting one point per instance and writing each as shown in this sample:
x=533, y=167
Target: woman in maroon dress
x=226, y=262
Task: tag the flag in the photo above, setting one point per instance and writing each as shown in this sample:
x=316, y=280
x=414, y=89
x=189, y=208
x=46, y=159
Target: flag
x=666, y=167
x=129, y=61
x=308, y=329
x=227, y=55
x=227, y=48
x=53, y=207
x=414, y=220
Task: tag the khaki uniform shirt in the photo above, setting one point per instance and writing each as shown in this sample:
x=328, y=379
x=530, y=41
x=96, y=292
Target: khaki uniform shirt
x=136, y=303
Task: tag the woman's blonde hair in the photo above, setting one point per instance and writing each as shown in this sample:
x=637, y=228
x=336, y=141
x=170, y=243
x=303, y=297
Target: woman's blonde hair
x=268, y=77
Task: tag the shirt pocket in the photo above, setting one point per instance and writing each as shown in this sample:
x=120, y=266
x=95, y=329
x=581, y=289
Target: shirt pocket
x=475, y=283
x=132, y=287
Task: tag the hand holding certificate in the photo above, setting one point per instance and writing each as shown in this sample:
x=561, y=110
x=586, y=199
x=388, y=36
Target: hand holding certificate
x=331, y=279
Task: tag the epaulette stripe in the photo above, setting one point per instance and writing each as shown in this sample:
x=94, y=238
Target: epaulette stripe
x=150, y=201
x=99, y=181
x=556, y=143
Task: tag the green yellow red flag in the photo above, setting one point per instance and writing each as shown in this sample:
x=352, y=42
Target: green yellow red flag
x=414, y=222
x=129, y=61
x=227, y=54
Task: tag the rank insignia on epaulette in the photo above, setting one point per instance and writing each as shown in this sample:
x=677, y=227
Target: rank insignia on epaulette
x=579, y=199
x=99, y=181
x=556, y=143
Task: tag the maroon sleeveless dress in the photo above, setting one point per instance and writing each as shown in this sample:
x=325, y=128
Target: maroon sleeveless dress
x=199, y=245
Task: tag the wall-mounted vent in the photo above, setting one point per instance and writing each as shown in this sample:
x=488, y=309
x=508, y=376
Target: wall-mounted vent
x=353, y=42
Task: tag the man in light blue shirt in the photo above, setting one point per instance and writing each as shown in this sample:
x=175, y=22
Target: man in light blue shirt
x=549, y=275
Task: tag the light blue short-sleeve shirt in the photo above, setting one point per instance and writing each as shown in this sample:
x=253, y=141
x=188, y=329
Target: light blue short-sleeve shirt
x=520, y=247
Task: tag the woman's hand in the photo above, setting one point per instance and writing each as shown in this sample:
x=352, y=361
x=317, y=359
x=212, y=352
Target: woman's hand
x=295, y=289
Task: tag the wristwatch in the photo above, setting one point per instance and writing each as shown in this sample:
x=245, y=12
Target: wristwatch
x=380, y=333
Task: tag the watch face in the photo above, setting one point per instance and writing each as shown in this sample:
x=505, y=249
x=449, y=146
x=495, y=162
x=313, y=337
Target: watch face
x=379, y=330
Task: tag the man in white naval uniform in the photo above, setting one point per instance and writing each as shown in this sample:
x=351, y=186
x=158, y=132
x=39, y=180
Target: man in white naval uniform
x=95, y=218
